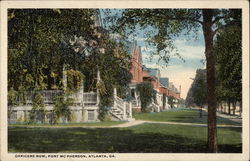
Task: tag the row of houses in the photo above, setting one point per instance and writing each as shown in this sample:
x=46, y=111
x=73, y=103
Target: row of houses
x=140, y=73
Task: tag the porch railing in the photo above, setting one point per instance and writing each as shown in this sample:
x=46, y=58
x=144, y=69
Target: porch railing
x=88, y=98
x=48, y=95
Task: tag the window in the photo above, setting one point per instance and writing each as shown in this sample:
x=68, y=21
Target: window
x=13, y=116
x=91, y=115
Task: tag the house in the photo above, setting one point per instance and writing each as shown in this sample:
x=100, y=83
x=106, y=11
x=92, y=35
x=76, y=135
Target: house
x=84, y=107
x=160, y=84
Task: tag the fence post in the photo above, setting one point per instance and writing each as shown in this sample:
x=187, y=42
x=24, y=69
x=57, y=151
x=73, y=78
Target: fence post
x=130, y=109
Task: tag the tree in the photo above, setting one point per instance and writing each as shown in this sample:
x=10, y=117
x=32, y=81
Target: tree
x=147, y=94
x=37, y=108
x=199, y=89
x=61, y=107
x=35, y=38
x=228, y=54
x=171, y=101
x=169, y=23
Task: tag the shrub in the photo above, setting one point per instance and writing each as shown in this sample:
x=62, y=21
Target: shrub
x=12, y=97
x=37, y=106
x=61, y=106
x=147, y=94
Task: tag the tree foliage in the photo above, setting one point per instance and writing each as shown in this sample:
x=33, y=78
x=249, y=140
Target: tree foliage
x=61, y=106
x=147, y=94
x=42, y=41
x=74, y=80
x=35, y=39
x=38, y=108
x=171, y=101
x=228, y=58
x=197, y=94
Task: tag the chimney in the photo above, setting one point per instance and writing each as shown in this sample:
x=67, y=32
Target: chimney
x=180, y=89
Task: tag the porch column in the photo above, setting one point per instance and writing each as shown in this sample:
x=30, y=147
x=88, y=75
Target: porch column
x=98, y=94
x=130, y=109
x=136, y=98
x=64, y=77
x=115, y=95
x=80, y=92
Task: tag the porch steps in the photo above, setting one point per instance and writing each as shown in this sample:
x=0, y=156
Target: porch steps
x=121, y=110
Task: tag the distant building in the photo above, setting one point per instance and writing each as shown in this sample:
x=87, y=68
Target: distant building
x=136, y=61
x=141, y=73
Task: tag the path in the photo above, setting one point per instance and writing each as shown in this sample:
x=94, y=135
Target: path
x=237, y=119
x=234, y=118
x=133, y=123
x=138, y=122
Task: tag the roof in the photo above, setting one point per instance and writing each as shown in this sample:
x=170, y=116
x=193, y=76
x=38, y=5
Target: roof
x=164, y=81
x=152, y=72
x=144, y=67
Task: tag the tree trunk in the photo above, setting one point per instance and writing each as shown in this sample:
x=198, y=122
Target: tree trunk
x=211, y=100
x=234, y=107
x=201, y=112
x=229, y=107
x=240, y=108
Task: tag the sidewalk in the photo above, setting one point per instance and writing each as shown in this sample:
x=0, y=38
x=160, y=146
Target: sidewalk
x=138, y=122
x=234, y=118
x=134, y=123
x=230, y=117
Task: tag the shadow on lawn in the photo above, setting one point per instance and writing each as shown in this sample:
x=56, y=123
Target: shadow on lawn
x=103, y=140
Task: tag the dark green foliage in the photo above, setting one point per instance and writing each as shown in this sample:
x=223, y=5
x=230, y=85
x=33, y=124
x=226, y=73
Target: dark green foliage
x=228, y=59
x=147, y=94
x=34, y=44
x=104, y=107
x=37, y=107
x=12, y=97
x=61, y=107
x=43, y=41
x=197, y=94
x=171, y=101
x=114, y=72
x=74, y=80
x=160, y=26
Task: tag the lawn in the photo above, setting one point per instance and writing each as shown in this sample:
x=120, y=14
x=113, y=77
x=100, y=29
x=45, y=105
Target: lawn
x=181, y=115
x=142, y=138
x=104, y=123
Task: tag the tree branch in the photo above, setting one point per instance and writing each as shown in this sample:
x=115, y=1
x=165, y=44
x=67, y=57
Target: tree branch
x=218, y=18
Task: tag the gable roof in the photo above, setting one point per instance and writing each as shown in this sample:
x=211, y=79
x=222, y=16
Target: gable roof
x=164, y=81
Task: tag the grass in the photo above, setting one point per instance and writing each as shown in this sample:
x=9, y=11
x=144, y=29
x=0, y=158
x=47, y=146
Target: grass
x=147, y=138
x=104, y=123
x=182, y=115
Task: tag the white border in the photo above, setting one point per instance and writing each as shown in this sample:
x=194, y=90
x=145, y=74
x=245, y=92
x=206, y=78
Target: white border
x=130, y=4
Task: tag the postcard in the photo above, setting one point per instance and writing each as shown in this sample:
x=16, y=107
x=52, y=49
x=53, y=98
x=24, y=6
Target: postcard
x=124, y=80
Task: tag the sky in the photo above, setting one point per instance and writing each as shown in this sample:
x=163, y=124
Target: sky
x=190, y=48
